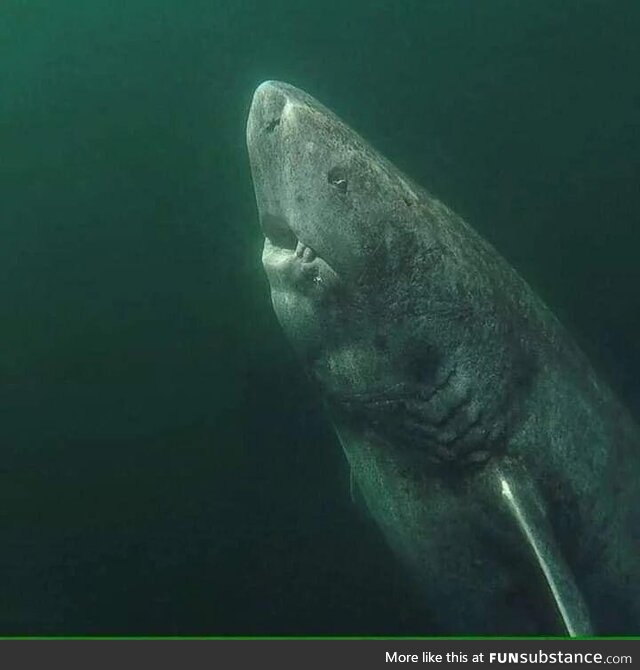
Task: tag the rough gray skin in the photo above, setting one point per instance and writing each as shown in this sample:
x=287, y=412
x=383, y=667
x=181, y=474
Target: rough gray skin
x=442, y=371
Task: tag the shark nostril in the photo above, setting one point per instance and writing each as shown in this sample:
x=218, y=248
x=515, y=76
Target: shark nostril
x=271, y=125
x=278, y=231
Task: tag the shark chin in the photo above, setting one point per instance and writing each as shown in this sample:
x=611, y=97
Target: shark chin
x=501, y=469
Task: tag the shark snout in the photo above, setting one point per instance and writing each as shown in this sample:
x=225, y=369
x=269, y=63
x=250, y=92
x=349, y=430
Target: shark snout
x=297, y=153
x=269, y=100
x=273, y=142
x=273, y=107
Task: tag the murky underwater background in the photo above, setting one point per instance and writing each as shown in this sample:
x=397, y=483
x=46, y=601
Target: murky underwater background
x=165, y=467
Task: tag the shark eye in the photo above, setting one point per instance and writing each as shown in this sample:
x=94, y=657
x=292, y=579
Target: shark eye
x=337, y=177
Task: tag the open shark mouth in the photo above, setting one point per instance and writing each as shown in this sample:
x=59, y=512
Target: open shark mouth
x=296, y=261
x=278, y=231
x=280, y=238
x=279, y=234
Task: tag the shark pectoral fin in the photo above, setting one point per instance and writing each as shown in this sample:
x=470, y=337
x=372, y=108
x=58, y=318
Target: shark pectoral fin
x=354, y=491
x=352, y=485
x=522, y=505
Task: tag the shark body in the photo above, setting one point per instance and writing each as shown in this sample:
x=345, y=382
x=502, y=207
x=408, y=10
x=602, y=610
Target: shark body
x=503, y=472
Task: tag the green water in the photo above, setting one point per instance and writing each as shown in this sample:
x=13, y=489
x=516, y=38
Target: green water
x=165, y=467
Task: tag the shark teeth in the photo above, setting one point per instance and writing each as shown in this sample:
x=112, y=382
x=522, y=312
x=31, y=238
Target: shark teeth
x=307, y=254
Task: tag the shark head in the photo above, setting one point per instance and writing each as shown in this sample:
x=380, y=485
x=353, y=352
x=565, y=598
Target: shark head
x=377, y=285
x=332, y=212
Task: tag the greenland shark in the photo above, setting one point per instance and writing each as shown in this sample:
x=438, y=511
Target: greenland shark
x=502, y=471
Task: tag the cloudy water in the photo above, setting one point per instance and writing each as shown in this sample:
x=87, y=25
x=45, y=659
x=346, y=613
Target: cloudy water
x=166, y=467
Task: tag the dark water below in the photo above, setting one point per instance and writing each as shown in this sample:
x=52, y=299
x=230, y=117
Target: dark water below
x=165, y=467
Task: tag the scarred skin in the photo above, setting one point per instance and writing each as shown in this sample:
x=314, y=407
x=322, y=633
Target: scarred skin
x=441, y=369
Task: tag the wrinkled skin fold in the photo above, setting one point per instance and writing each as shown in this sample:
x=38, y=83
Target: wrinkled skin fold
x=447, y=380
